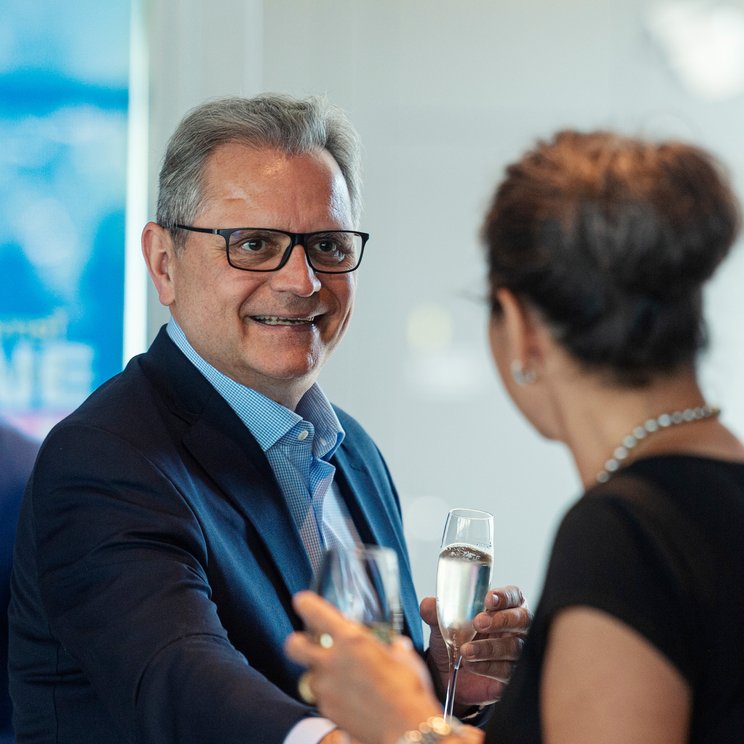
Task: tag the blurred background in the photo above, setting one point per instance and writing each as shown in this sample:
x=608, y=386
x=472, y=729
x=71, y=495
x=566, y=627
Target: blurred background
x=444, y=94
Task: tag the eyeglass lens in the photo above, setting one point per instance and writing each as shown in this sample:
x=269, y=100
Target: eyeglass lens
x=331, y=251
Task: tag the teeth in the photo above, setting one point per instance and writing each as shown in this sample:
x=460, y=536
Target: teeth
x=277, y=320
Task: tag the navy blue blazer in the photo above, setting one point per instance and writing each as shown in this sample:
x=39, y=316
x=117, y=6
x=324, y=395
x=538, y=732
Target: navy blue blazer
x=155, y=564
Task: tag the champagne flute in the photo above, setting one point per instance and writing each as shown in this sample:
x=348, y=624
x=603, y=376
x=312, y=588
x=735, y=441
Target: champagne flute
x=364, y=584
x=463, y=576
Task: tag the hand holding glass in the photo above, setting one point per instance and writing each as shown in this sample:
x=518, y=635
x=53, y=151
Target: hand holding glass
x=463, y=576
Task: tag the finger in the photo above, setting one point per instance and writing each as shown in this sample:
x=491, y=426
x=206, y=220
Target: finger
x=401, y=648
x=402, y=643
x=515, y=620
x=490, y=690
x=505, y=648
x=320, y=616
x=301, y=649
x=499, y=671
x=504, y=598
x=428, y=610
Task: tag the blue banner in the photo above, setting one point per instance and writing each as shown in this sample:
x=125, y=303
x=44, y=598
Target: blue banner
x=63, y=128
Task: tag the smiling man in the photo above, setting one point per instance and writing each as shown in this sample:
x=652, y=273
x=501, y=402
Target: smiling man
x=272, y=326
x=171, y=518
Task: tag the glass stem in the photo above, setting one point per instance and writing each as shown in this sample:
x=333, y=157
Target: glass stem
x=455, y=659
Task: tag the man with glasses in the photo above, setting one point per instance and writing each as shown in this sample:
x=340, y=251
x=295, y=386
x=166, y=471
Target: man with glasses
x=173, y=516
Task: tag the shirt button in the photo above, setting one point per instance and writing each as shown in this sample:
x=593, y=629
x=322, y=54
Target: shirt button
x=302, y=436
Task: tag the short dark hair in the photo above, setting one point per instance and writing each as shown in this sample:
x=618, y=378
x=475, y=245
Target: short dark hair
x=292, y=125
x=611, y=239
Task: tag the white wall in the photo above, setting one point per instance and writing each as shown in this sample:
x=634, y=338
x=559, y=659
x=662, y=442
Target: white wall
x=444, y=93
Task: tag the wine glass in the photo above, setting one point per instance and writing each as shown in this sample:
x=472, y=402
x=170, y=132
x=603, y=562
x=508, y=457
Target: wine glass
x=463, y=576
x=364, y=584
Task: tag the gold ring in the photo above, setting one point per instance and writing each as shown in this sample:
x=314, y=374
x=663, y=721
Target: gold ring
x=325, y=640
x=303, y=687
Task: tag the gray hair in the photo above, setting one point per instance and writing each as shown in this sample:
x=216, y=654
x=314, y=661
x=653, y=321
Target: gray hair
x=292, y=125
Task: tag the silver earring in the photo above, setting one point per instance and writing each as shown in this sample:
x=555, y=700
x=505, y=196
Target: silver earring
x=521, y=375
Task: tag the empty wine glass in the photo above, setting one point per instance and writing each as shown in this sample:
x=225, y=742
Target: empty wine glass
x=364, y=584
x=463, y=576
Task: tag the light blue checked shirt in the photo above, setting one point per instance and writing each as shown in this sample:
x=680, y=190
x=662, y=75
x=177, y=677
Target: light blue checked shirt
x=298, y=446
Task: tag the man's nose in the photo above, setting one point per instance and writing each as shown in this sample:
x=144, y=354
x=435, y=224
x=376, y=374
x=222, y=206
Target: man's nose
x=297, y=275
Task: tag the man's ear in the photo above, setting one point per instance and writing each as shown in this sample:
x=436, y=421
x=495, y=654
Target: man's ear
x=160, y=257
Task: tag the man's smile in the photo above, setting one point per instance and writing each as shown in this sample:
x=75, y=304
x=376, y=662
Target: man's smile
x=282, y=320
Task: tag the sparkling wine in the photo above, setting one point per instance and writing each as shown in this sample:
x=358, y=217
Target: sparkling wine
x=463, y=573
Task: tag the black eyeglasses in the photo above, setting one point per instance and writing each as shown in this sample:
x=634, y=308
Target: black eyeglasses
x=263, y=249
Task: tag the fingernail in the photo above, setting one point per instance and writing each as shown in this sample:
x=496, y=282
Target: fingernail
x=467, y=650
x=496, y=599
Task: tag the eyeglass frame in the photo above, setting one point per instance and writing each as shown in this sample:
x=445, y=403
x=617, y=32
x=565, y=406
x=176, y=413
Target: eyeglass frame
x=295, y=240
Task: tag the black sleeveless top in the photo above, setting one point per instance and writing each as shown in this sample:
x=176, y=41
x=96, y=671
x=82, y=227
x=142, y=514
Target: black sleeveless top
x=661, y=548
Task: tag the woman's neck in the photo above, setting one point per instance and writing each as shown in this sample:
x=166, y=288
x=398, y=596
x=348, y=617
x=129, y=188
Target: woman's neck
x=595, y=419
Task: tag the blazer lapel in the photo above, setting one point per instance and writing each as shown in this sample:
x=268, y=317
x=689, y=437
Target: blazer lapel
x=224, y=447
x=243, y=474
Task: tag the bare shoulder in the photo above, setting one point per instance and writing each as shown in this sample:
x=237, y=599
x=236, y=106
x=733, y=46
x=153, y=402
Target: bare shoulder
x=604, y=683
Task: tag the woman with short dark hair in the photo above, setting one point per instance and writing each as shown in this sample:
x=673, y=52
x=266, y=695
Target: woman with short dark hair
x=598, y=249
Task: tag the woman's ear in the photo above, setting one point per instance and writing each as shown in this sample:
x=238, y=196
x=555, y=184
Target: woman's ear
x=519, y=332
x=160, y=257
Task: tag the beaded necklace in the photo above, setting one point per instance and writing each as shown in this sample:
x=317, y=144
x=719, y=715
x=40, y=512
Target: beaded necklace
x=647, y=429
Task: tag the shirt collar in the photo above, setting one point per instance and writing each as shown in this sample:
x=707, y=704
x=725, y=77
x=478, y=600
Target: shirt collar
x=266, y=419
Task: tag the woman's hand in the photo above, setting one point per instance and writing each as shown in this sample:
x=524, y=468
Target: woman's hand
x=374, y=691
x=488, y=660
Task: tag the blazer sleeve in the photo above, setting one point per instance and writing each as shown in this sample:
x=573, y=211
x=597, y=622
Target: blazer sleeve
x=121, y=560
